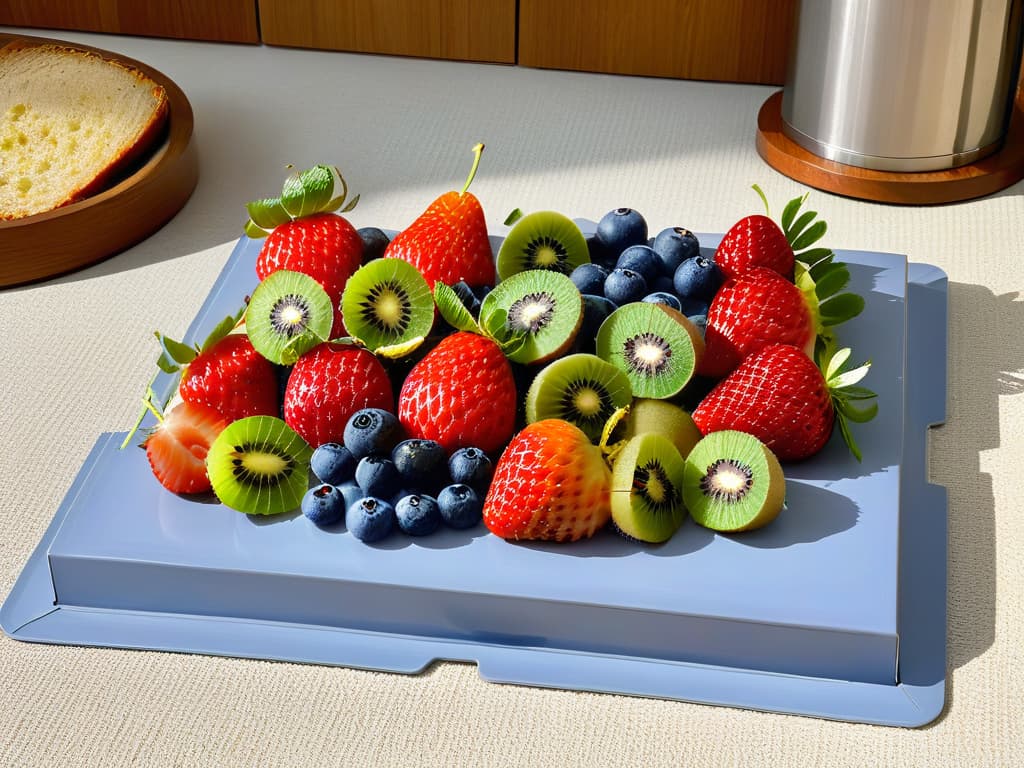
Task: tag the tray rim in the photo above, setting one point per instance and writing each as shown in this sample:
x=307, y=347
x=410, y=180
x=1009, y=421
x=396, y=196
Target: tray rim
x=30, y=612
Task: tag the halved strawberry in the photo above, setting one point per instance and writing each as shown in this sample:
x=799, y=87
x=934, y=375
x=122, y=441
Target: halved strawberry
x=177, y=447
x=780, y=396
x=551, y=483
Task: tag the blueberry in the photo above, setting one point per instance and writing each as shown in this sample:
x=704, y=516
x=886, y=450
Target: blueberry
x=472, y=467
x=595, y=310
x=599, y=254
x=374, y=243
x=694, y=307
x=642, y=259
x=323, y=504
x=661, y=297
x=697, y=278
x=624, y=286
x=460, y=505
x=674, y=246
x=621, y=228
x=333, y=463
x=481, y=291
x=377, y=475
x=372, y=430
x=370, y=519
x=662, y=283
x=351, y=492
x=701, y=321
x=589, y=278
x=467, y=297
x=421, y=464
x=418, y=514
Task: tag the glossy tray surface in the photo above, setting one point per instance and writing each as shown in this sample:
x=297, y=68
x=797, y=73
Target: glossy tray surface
x=827, y=611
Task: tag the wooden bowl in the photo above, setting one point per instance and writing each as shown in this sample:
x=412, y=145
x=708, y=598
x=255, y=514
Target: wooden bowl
x=83, y=233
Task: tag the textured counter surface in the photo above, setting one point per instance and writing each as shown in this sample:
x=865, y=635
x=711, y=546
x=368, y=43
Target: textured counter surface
x=78, y=351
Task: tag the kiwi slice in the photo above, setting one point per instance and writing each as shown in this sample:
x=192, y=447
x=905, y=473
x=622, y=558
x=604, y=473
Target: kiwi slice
x=259, y=465
x=657, y=347
x=647, y=489
x=580, y=388
x=542, y=240
x=387, y=304
x=733, y=482
x=289, y=314
x=647, y=415
x=534, y=315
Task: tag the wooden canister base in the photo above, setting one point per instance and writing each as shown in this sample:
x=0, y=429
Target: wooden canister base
x=984, y=177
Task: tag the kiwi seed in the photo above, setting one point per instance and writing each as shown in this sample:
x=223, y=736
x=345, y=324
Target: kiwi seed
x=647, y=489
x=582, y=389
x=387, y=302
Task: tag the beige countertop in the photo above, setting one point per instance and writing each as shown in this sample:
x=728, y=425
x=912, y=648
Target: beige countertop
x=78, y=351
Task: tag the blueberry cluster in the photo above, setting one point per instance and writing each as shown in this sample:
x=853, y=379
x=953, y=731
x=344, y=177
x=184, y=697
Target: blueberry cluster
x=626, y=266
x=379, y=480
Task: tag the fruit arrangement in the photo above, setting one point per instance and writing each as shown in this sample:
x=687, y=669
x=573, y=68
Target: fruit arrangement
x=565, y=384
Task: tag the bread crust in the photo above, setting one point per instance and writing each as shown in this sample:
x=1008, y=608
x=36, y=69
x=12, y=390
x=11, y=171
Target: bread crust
x=144, y=142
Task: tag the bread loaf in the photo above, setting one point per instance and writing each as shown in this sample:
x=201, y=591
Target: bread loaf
x=70, y=121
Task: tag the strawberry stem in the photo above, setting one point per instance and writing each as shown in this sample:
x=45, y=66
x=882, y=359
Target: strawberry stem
x=478, y=150
x=764, y=199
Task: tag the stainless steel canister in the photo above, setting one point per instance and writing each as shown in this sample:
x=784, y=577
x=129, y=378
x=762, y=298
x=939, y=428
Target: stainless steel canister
x=903, y=85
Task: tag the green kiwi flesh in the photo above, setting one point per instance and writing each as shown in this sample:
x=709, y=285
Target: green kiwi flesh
x=289, y=314
x=657, y=347
x=582, y=389
x=534, y=315
x=387, y=302
x=542, y=240
x=259, y=465
x=648, y=415
x=733, y=482
x=647, y=489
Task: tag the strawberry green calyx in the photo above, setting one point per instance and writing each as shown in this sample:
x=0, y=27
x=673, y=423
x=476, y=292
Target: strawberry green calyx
x=844, y=389
x=305, y=193
x=493, y=325
x=822, y=285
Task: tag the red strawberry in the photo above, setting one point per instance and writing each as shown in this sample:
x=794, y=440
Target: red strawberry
x=461, y=394
x=305, y=235
x=177, y=447
x=551, y=483
x=757, y=308
x=448, y=241
x=780, y=396
x=757, y=241
x=754, y=241
x=330, y=383
x=232, y=378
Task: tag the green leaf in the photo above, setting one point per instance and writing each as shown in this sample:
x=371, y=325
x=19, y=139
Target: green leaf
x=813, y=234
x=832, y=282
x=452, y=310
x=853, y=392
x=813, y=256
x=267, y=213
x=165, y=364
x=789, y=212
x=222, y=329
x=835, y=363
x=857, y=415
x=798, y=226
x=180, y=353
x=494, y=323
x=844, y=429
x=306, y=192
x=513, y=216
x=351, y=204
x=849, y=378
x=253, y=231
x=838, y=309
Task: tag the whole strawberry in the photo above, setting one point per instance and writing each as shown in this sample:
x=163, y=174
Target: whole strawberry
x=232, y=378
x=461, y=394
x=304, y=234
x=224, y=373
x=448, y=241
x=330, y=383
x=757, y=241
x=780, y=396
x=551, y=483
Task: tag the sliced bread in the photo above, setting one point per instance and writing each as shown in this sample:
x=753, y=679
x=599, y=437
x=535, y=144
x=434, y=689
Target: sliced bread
x=70, y=122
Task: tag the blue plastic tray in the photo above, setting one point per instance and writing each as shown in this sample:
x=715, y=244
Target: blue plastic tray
x=835, y=610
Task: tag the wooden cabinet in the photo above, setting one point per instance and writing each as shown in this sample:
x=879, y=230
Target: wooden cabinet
x=227, y=20
x=469, y=30
x=731, y=40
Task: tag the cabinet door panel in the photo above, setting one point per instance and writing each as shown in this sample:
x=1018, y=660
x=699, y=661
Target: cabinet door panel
x=226, y=20
x=730, y=40
x=472, y=30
